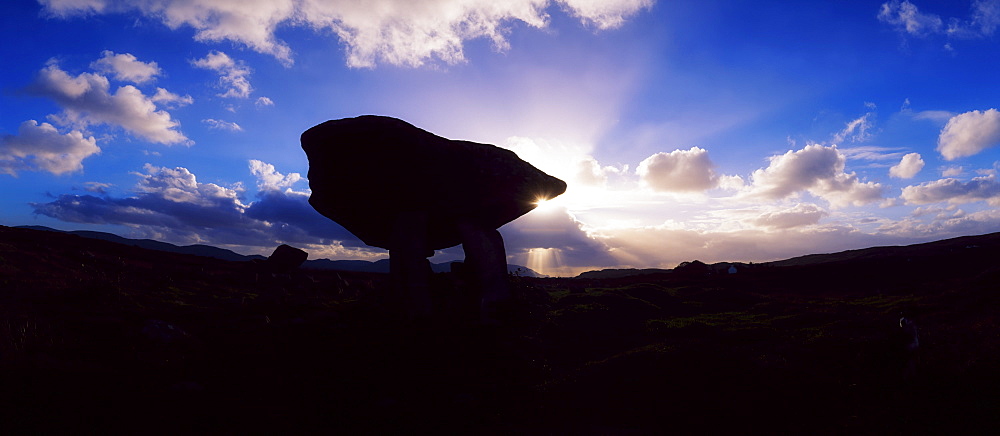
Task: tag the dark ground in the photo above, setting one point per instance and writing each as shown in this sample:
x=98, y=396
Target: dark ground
x=97, y=337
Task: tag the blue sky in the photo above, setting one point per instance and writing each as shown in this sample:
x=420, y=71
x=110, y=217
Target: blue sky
x=718, y=131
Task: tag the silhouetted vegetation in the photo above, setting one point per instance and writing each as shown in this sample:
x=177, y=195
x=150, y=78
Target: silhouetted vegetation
x=102, y=337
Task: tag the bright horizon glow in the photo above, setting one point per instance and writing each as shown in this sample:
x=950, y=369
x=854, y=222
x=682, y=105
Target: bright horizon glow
x=684, y=130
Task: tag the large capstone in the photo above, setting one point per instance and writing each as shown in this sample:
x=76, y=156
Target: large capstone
x=366, y=171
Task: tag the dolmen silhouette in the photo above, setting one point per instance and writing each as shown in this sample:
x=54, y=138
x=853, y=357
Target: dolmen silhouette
x=407, y=190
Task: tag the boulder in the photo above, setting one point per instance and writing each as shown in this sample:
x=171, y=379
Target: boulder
x=286, y=258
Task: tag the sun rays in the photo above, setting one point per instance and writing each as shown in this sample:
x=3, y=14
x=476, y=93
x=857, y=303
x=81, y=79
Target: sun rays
x=544, y=260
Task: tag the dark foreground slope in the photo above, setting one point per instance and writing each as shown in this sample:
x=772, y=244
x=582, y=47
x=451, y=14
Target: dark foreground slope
x=100, y=337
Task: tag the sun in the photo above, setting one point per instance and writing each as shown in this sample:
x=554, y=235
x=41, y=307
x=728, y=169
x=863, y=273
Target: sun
x=543, y=204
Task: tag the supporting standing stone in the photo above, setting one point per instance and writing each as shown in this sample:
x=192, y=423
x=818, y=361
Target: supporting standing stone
x=485, y=254
x=408, y=266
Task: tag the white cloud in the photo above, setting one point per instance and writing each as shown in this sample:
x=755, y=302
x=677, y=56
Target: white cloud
x=945, y=224
x=856, y=130
x=989, y=171
x=986, y=16
x=983, y=21
x=247, y=22
x=264, y=101
x=42, y=147
x=985, y=188
x=98, y=187
x=401, y=32
x=952, y=171
x=908, y=167
x=398, y=32
x=731, y=183
x=678, y=171
x=605, y=14
x=871, y=153
x=969, y=133
x=222, y=125
x=67, y=8
x=234, y=76
x=169, y=99
x=591, y=173
x=126, y=67
x=817, y=169
x=86, y=100
x=802, y=214
x=938, y=116
x=269, y=179
x=181, y=186
x=906, y=17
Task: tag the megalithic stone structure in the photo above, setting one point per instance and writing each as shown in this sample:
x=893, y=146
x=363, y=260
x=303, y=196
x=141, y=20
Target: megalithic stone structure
x=399, y=187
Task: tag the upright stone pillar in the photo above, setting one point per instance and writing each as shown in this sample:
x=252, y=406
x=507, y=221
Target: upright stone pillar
x=409, y=269
x=486, y=257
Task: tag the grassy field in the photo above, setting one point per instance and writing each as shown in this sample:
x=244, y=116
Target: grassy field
x=97, y=337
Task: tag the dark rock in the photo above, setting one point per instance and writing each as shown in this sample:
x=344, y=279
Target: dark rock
x=286, y=258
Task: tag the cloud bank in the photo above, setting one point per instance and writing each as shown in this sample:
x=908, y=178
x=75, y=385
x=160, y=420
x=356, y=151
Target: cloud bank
x=171, y=204
x=796, y=216
x=397, y=32
x=951, y=190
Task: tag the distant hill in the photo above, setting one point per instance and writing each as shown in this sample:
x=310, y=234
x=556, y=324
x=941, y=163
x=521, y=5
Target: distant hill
x=685, y=267
x=379, y=266
x=617, y=273
x=940, y=248
x=196, y=250
x=937, y=249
